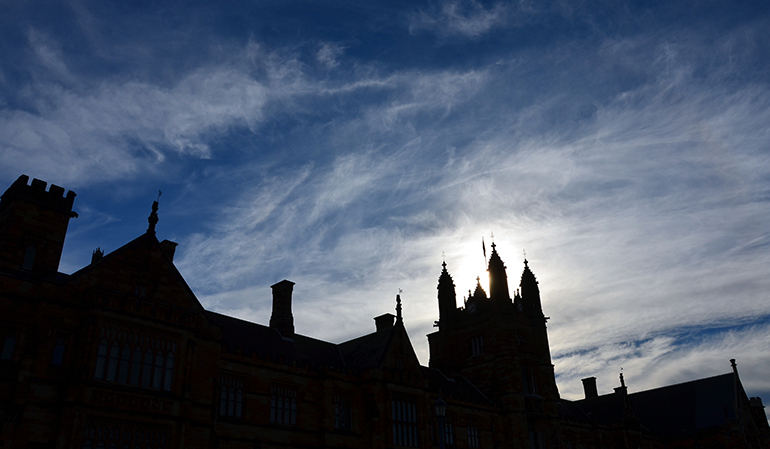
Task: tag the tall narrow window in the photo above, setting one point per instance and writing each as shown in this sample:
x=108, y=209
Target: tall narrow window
x=530, y=381
x=283, y=406
x=8, y=343
x=404, y=416
x=29, y=258
x=477, y=345
x=169, y=371
x=125, y=356
x=341, y=411
x=136, y=366
x=157, y=377
x=147, y=369
x=101, y=360
x=57, y=357
x=112, y=367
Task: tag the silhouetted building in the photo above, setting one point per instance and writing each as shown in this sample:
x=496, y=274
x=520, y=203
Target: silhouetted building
x=121, y=354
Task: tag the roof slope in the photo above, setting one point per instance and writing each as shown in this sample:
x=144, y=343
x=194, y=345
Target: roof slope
x=687, y=407
x=252, y=338
x=366, y=351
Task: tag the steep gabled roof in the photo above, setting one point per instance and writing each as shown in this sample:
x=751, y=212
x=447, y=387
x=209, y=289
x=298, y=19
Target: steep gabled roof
x=251, y=338
x=142, y=256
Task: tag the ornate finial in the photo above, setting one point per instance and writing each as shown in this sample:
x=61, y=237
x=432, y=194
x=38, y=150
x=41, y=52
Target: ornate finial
x=160, y=192
x=622, y=381
x=492, y=236
x=443, y=259
x=398, y=306
x=734, y=365
x=153, y=218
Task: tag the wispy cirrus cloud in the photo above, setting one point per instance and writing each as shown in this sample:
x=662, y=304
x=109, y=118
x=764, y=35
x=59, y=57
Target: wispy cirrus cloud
x=467, y=18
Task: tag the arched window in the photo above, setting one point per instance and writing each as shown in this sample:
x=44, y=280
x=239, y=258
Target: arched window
x=101, y=360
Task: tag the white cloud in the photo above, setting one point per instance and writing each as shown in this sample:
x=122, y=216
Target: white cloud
x=467, y=18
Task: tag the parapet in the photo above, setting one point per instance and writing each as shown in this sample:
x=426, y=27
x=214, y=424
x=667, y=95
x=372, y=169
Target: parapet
x=36, y=192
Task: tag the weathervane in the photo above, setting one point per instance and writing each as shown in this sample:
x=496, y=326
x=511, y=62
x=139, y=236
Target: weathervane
x=160, y=192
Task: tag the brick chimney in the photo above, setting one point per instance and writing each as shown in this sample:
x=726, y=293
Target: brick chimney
x=384, y=322
x=169, y=248
x=589, y=387
x=282, y=320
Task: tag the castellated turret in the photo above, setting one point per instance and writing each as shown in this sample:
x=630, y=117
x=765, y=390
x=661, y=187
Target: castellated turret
x=33, y=224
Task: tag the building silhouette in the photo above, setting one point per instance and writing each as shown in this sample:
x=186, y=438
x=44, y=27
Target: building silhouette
x=121, y=354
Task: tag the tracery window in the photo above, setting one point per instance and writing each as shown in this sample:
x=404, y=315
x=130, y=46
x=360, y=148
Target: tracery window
x=283, y=405
x=404, y=416
x=105, y=434
x=135, y=356
x=231, y=397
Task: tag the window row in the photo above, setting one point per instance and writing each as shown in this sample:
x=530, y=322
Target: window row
x=131, y=357
x=283, y=403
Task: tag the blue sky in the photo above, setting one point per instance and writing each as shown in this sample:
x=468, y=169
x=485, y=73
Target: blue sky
x=346, y=146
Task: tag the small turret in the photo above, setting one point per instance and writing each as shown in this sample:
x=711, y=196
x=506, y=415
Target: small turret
x=530, y=293
x=447, y=297
x=479, y=294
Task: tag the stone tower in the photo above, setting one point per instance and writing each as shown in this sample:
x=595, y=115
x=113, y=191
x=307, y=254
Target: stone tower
x=501, y=345
x=33, y=224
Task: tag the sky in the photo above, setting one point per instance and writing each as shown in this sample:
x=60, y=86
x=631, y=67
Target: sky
x=351, y=147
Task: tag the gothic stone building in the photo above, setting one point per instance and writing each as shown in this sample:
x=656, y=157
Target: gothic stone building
x=121, y=354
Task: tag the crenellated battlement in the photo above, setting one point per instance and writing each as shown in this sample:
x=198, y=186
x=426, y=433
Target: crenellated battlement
x=53, y=198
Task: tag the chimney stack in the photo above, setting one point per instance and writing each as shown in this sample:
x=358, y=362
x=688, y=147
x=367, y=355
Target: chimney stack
x=384, y=322
x=282, y=320
x=589, y=387
x=169, y=248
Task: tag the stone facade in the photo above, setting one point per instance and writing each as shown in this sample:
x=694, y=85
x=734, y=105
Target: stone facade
x=121, y=354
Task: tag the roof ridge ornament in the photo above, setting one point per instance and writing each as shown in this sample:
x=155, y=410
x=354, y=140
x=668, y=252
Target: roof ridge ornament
x=399, y=318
